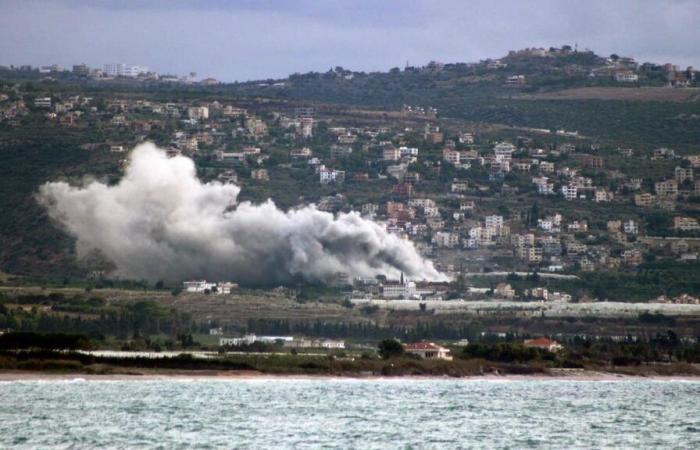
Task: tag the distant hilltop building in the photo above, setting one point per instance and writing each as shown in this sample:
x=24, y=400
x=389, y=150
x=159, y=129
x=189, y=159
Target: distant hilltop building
x=81, y=69
x=124, y=70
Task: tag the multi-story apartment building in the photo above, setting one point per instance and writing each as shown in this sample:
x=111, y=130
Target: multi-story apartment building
x=646, y=199
x=198, y=112
x=451, y=156
x=504, y=151
x=667, y=188
x=685, y=224
x=570, y=192
x=682, y=174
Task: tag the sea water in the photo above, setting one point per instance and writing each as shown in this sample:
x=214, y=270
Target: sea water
x=349, y=413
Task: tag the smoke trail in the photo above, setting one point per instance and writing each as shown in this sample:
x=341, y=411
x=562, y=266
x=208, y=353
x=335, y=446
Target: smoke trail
x=161, y=222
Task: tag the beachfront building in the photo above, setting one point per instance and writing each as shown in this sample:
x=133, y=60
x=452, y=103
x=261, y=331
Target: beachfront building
x=428, y=350
x=544, y=344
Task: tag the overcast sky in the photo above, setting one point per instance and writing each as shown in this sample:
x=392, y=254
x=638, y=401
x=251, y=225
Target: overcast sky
x=249, y=39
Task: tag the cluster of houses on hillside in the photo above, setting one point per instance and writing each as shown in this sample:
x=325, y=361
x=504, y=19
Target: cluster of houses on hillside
x=463, y=198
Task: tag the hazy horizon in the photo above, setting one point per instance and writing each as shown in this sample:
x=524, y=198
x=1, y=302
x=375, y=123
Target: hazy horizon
x=246, y=40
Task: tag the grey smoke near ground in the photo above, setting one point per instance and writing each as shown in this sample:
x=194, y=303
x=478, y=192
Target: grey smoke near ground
x=160, y=222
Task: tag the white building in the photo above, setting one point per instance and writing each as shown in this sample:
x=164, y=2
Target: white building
x=493, y=221
x=468, y=205
x=422, y=203
x=198, y=112
x=134, y=71
x=225, y=287
x=570, y=192
x=451, y=156
x=198, y=286
x=546, y=167
x=504, y=151
x=545, y=225
x=403, y=289
x=428, y=350
x=370, y=209
x=307, y=127
x=466, y=138
x=327, y=176
x=685, y=223
x=203, y=286
x=249, y=339
x=446, y=239
x=114, y=70
x=630, y=227
x=603, y=195
x=329, y=344
x=391, y=154
x=42, y=102
x=408, y=152
x=626, y=76
x=123, y=70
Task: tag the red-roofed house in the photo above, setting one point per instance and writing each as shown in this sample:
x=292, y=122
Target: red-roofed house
x=543, y=343
x=428, y=350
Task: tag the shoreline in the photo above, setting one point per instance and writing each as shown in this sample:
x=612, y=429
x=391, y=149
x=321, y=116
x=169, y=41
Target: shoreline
x=579, y=375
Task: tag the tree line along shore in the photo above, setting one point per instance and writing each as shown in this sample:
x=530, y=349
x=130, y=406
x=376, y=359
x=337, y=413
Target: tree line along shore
x=71, y=353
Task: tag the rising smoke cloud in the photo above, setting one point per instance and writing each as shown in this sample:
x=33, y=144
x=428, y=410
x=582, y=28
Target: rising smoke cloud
x=160, y=222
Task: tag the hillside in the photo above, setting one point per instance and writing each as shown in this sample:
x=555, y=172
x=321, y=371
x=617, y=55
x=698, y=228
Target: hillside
x=502, y=99
x=589, y=99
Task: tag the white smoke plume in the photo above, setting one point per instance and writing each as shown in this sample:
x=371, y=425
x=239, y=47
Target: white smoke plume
x=160, y=222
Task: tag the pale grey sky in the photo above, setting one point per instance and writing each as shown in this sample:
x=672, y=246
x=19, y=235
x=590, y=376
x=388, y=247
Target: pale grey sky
x=248, y=39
